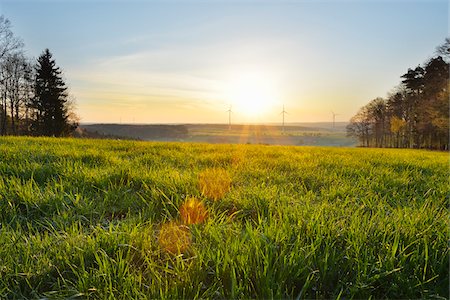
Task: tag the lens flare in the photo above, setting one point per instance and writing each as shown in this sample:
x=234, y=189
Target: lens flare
x=174, y=238
x=214, y=183
x=192, y=211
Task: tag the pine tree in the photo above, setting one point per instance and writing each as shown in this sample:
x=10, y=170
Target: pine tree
x=50, y=101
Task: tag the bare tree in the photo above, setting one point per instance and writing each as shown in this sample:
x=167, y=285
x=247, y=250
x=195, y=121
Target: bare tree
x=17, y=72
x=444, y=50
x=360, y=127
x=8, y=45
x=8, y=42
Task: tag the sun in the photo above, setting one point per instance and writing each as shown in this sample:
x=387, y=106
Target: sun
x=252, y=94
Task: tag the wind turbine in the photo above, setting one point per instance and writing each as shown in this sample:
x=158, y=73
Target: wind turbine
x=284, y=112
x=334, y=118
x=229, y=118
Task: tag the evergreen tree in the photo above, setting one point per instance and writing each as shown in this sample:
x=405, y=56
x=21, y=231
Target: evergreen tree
x=434, y=116
x=50, y=101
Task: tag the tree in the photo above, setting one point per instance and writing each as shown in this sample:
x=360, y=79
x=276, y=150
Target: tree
x=369, y=125
x=8, y=42
x=360, y=127
x=413, y=82
x=396, y=114
x=50, y=102
x=415, y=114
x=397, y=126
x=8, y=45
x=377, y=116
x=434, y=116
x=17, y=81
x=444, y=50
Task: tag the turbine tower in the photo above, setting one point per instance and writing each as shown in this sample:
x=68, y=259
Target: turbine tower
x=229, y=118
x=334, y=118
x=284, y=112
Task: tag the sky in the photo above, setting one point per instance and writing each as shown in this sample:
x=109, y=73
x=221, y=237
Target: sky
x=191, y=61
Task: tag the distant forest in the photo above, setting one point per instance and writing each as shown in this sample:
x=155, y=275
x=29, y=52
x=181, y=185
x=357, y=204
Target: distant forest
x=33, y=95
x=415, y=114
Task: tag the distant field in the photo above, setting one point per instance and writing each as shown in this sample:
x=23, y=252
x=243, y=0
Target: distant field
x=100, y=218
x=311, y=134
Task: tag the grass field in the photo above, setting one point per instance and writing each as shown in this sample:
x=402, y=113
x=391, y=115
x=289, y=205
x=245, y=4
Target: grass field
x=123, y=219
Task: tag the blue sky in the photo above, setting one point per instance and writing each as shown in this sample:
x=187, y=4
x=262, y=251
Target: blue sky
x=187, y=61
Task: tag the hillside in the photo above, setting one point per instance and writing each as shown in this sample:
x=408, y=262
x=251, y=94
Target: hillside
x=294, y=134
x=127, y=219
x=144, y=132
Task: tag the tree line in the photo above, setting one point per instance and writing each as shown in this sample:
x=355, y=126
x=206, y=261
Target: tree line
x=415, y=114
x=34, y=98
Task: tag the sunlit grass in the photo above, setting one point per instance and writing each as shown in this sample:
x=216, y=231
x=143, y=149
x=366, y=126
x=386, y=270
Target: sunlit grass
x=174, y=238
x=115, y=219
x=192, y=211
x=214, y=183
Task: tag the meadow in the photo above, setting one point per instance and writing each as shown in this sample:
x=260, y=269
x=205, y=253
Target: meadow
x=126, y=219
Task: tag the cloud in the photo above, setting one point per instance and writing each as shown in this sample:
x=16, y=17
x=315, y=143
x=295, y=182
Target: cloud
x=170, y=74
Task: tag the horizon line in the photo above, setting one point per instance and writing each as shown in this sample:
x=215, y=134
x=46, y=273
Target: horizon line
x=209, y=123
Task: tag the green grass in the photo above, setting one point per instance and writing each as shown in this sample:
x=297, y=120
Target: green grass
x=80, y=218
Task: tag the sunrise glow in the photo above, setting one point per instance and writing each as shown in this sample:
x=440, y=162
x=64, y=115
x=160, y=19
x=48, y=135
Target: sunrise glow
x=189, y=62
x=252, y=94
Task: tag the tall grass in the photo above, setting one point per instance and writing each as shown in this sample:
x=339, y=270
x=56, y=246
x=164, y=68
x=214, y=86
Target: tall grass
x=90, y=219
